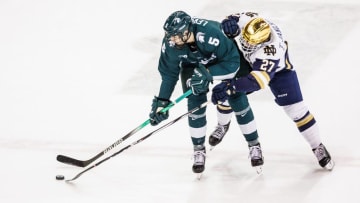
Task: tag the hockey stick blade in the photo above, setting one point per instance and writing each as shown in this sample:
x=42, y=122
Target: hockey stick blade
x=71, y=161
x=138, y=141
x=83, y=163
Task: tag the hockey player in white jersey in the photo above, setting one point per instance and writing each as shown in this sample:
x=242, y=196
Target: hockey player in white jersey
x=265, y=48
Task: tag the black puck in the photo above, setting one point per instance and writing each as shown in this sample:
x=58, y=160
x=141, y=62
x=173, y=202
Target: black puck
x=60, y=177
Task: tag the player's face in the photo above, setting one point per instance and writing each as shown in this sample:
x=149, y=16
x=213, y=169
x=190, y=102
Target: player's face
x=248, y=47
x=179, y=39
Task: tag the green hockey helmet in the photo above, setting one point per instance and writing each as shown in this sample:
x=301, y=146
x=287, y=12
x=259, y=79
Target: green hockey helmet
x=176, y=24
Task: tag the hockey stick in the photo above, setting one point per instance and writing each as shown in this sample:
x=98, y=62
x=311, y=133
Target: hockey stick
x=138, y=141
x=82, y=163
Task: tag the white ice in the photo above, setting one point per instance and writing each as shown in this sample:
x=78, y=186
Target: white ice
x=77, y=75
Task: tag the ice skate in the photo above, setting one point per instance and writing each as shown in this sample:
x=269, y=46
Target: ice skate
x=256, y=157
x=324, y=157
x=199, y=161
x=218, y=134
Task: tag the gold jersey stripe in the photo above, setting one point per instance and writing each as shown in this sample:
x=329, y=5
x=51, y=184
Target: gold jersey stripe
x=261, y=77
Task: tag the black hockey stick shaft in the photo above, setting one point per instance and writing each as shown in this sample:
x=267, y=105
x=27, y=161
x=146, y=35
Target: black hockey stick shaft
x=83, y=163
x=138, y=141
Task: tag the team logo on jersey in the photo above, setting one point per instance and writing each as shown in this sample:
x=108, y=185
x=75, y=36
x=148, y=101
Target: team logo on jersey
x=205, y=61
x=270, y=50
x=183, y=56
x=200, y=37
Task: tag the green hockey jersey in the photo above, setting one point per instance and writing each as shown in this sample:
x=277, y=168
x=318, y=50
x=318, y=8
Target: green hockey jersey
x=212, y=48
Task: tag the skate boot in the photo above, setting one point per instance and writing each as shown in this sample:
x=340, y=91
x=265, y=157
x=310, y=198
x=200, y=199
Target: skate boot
x=199, y=160
x=323, y=157
x=218, y=134
x=256, y=157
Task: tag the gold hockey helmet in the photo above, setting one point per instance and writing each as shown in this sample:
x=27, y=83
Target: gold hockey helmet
x=256, y=31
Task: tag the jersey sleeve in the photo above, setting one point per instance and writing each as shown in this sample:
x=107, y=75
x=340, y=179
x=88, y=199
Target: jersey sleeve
x=169, y=70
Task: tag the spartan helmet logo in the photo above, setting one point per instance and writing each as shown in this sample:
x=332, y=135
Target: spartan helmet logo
x=255, y=32
x=177, y=20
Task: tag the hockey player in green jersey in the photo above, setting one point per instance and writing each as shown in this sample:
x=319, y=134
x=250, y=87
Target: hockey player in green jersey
x=198, y=51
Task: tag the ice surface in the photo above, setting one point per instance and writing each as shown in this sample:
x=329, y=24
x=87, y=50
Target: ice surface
x=75, y=76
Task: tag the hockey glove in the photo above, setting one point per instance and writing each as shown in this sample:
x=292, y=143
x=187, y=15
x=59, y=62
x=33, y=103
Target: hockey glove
x=200, y=80
x=222, y=91
x=230, y=26
x=157, y=105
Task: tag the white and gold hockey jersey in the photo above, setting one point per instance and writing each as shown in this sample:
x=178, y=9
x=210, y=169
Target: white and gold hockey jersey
x=269, y=57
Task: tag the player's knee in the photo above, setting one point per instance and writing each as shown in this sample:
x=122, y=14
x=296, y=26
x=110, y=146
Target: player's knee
x=296, y=111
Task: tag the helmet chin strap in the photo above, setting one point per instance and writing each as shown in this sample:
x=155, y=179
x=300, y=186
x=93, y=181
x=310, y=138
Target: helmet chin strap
x=188, y=37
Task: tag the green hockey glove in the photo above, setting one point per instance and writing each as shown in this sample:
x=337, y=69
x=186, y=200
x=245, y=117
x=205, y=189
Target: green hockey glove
x=200, y=80
x=157, y=105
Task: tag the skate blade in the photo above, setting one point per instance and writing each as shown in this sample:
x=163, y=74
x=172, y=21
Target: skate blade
x=198, y=176
x=212, y=147
x=258, y=169
x=329, y=166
